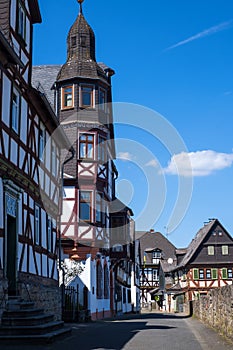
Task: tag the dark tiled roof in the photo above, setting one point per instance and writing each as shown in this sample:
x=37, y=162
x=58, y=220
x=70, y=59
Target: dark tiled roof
x=117, y=206
x=43, y=78
x=198, y=239
x=155, y=240
x=81, y=60
x=4, y=17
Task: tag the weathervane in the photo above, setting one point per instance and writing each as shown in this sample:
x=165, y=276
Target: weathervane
x=80, y=3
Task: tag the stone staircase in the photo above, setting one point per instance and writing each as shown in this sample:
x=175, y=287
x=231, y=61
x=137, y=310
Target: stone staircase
x=21, y=321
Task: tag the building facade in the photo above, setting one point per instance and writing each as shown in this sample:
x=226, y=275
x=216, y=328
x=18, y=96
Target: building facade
x=81, y=91
x=29, y=168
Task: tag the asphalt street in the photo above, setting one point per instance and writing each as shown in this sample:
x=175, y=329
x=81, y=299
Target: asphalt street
x=139, y=332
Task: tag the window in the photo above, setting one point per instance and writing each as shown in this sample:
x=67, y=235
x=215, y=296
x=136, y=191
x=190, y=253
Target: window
x=49, y=234
x=83, y=40
x=102, y=99
x=102, y=149
x=99, y=280
x=106, y=282
x=156, y=256
x=85, y=205
x=21, y=23
x=73, y=41
x=225, y=250
x=41, y=143
x=201, y=274
x=214, y=274
x=155, y=275
x=210, y=250
x=15, y=112
x=229, y=273
x=98, y=208
x=208, y=274
x=87, y=96
x=195, y=274
x=54, y=159
x=86, y=146
x=67, y=97
x=37, y=225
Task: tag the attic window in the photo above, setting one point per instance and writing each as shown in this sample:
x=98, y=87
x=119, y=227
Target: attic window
x=73, y=41
x=83, y=40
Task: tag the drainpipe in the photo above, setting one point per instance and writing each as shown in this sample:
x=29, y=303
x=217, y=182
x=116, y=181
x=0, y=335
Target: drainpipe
x=72, y=151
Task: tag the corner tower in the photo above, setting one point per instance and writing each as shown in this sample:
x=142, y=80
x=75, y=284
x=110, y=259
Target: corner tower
x=83, y=103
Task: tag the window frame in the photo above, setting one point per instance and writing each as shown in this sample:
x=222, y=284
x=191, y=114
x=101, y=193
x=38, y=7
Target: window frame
x=49, y=233
x=99, y=207
x=91, y=95
x=65, y=99
x=102, y=99
x=37, y=224
x=21, y=26
x=201, y=274
x=195, y=274
x=225, y=250
x=87, y=143
x=208, y=274
x=89, y=219
x=102, y=151
x=42, y=142
x=229, y=273
x=15, y=110
x=211, y=250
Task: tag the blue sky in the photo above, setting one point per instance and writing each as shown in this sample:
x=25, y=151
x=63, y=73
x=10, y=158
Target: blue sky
x=176, y=59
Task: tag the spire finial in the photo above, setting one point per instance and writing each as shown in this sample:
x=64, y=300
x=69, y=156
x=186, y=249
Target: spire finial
x=80, y=3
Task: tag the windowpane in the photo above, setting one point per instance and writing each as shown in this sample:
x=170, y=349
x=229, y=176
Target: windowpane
x=201, y=274
x=15, y=110
x=37, y=225
x=67, y=96
x=102, y=99
x=41, y=143
x=208, y=274
x=229, y=273
x=86, y=146
x=49, y=234
x=87, y=96
x=21, y=22
x=225, y=250
x=85, y=206
x=210, y=250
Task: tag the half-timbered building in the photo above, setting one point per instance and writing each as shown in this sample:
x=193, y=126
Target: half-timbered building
x=155, y=250
x=30, y=143
x=82, y=99
x=205, y=264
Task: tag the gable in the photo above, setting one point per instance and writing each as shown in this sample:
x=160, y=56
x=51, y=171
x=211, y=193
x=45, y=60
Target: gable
x=211, y=250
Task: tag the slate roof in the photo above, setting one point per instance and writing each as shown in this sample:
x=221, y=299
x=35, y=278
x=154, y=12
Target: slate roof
x=43, y=78
x=155, y=240
x=81, y=61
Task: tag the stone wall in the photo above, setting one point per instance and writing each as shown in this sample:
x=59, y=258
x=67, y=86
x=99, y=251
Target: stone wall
x=216, y=310
x=44, y=292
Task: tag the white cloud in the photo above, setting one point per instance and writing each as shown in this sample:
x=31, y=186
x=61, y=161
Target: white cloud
x=206, y=32
x=200, y=163
x=125, y=156
x=153, y=163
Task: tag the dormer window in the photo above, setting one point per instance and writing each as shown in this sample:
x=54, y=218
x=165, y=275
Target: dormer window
x=83, y=40
x=67, y=96
x=87, y=96
x=73, y=41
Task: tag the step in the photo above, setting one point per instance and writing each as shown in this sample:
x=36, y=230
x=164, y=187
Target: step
x=22, y=312
x=28, y=320
x=35, y=339
x=31, y=330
